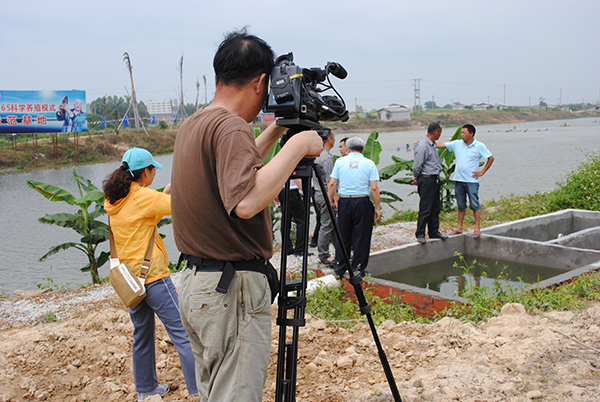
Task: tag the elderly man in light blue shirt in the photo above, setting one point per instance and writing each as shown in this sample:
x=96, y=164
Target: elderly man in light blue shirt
x=468, y=152
x=357, y=177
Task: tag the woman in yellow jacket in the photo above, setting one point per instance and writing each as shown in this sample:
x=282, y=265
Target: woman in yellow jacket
x=134, y=211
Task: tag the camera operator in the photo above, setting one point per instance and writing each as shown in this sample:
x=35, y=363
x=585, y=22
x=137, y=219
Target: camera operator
x=221, y=193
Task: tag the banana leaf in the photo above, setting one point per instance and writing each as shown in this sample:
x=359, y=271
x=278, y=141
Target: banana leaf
x=94, y=196
x=60, y=247
x=83, y=182
x=392, y=197
x=51, y=192
x=373, y=147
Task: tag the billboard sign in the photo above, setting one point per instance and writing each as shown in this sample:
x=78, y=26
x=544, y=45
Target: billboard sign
x=42, y=112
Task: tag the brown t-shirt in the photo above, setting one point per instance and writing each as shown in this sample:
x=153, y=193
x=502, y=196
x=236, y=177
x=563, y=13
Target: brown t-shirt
x=214, y=166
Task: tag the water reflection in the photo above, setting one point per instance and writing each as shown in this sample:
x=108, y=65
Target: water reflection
x=447, y=277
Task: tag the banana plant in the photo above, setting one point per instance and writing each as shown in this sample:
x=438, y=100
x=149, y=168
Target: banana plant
x=447, y=161
x=84, y=222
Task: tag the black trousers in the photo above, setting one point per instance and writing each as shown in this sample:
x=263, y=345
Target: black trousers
x=429, y=205
x=315, y=236
x=296, y=212
x=355, y=219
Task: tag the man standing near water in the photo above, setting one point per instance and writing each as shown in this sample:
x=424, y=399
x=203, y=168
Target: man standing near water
x=426, y=171
x=468, y=152
x=358, y=177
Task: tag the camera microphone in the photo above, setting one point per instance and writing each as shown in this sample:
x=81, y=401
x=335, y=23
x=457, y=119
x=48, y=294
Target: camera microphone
x=337, y=70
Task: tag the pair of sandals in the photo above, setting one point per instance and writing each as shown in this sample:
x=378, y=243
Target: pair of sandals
x=476, y=233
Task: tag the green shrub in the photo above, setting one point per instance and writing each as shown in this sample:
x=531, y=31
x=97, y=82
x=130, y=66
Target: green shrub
x=580, y=188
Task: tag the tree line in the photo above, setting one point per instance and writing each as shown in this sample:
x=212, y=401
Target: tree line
x=115, y=107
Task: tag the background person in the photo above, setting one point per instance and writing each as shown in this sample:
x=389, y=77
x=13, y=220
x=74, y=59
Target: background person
x=134, y=211
x=221, y=220
x=357, y=177
x=343, y=149
x=326, y=230
x=295, y=208
x=468, y=152
x=426, y=171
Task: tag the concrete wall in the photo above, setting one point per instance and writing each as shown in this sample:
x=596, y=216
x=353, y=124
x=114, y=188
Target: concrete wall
x=547, y=227
x=531, y=252
x=532, y=241
x=497, y=247
x=587, y=239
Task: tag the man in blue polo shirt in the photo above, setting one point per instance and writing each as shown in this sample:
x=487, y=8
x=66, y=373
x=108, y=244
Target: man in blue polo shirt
x=468, y=152
x=357, y=177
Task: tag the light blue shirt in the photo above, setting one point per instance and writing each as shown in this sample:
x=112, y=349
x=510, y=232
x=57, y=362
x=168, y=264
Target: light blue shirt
x=355, y=173
x=467, y=159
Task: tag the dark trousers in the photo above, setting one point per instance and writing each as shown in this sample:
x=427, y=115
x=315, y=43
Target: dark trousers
x=295, y=212
x=355, y=219
x=315, y=236
x=429, y=205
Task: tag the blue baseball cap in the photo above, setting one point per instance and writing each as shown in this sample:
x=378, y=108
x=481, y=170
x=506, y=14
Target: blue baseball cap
x=139, y=158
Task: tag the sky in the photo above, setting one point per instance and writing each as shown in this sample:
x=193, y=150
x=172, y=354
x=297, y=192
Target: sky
x=511, y=52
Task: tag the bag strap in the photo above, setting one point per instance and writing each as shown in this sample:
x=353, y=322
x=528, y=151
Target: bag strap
x=147, y=258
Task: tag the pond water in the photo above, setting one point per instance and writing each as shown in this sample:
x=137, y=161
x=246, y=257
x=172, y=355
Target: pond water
x=448, y=277
x=529, y=157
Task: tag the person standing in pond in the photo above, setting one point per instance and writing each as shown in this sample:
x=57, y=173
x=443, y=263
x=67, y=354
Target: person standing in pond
x=468, y=152
x=134, y=210
x=426, y=172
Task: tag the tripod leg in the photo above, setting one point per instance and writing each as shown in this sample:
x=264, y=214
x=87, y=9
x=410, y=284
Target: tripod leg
x=287, y=357
x=355, y=281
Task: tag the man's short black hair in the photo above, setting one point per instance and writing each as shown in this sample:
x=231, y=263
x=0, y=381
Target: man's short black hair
x=344, y=140
x=433, y=127
x=470, y=128
x=241, y=58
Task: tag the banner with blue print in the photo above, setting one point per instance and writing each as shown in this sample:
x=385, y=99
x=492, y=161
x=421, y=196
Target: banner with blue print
x=42, y=111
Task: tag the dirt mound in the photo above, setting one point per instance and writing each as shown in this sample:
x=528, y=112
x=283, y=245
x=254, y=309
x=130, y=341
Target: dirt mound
x=514, y=357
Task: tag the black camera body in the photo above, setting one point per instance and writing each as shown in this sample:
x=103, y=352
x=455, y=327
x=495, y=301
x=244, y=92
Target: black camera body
x=295, y=95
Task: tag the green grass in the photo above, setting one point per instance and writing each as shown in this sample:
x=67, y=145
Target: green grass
x=487, y=301
x=335, y=305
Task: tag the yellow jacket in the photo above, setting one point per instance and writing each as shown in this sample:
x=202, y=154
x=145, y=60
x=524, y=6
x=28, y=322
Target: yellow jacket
x=132, y=220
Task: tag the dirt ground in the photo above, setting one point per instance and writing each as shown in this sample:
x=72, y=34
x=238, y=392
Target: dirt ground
x=514, y=357
x=85, y=354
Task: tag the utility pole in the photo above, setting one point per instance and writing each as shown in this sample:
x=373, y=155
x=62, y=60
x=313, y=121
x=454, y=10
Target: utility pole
x=504, y=94
x=205, y=91
x=560, y=98
x=417, y=85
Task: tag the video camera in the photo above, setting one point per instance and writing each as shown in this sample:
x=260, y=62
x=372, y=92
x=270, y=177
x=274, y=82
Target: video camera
x=295, y=96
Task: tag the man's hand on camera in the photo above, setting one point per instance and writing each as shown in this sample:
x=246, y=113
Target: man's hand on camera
x=311, y=140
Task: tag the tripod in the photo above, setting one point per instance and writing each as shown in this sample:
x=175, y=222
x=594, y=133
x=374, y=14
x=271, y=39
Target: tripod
x=287, y=355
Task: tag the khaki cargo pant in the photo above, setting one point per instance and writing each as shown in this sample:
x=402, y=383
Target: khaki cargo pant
x=230, y=334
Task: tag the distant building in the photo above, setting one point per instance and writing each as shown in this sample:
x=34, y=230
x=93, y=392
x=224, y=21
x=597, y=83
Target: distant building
x=265, y=117
x=393, y=112
x=162, y=109
x=487, y=106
